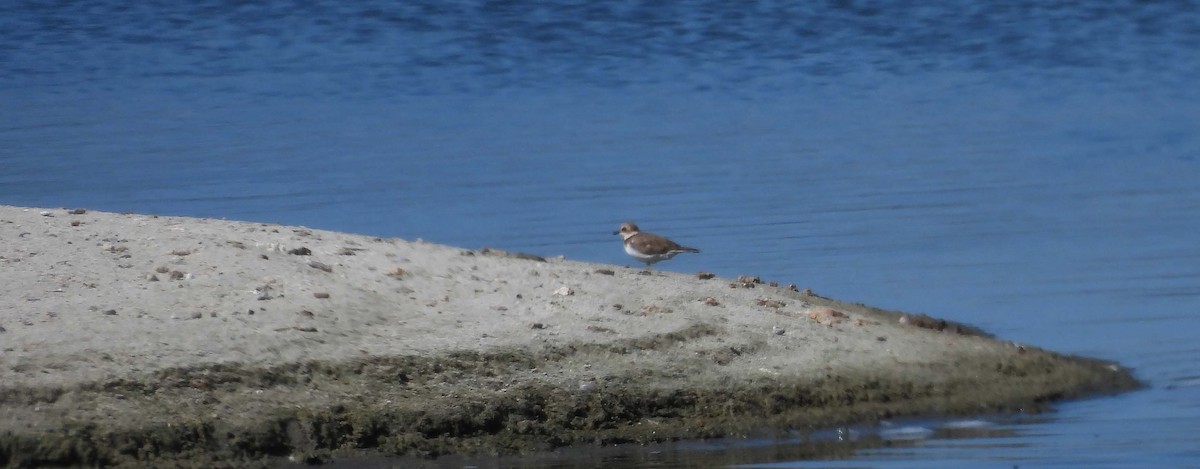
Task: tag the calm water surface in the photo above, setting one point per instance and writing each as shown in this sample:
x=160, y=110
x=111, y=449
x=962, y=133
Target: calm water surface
x=1030, y=168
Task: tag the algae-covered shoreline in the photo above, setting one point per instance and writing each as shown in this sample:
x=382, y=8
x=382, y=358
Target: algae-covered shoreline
x=130, y=339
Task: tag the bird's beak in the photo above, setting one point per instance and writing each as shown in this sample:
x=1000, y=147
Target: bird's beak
x=617, y=232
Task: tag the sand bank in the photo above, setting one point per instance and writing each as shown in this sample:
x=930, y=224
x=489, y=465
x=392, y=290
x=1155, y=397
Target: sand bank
x=127, y=338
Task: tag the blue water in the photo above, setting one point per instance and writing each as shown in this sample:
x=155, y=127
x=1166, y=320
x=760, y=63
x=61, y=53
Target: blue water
x=1032, y=168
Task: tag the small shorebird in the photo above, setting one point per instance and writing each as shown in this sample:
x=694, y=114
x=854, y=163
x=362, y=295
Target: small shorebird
x=648, y=247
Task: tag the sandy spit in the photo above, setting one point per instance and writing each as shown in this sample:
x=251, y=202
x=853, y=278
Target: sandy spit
x=132, y=339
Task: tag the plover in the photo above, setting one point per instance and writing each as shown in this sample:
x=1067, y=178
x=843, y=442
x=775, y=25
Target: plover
x=648, y=247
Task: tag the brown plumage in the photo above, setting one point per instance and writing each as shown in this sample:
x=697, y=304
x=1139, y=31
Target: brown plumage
x=648, y=247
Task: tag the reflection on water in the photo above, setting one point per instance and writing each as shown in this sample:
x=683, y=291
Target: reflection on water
x=1030, y=168
x=997, y=433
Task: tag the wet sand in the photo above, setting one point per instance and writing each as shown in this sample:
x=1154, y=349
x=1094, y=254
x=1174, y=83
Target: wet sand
x=131, y=339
